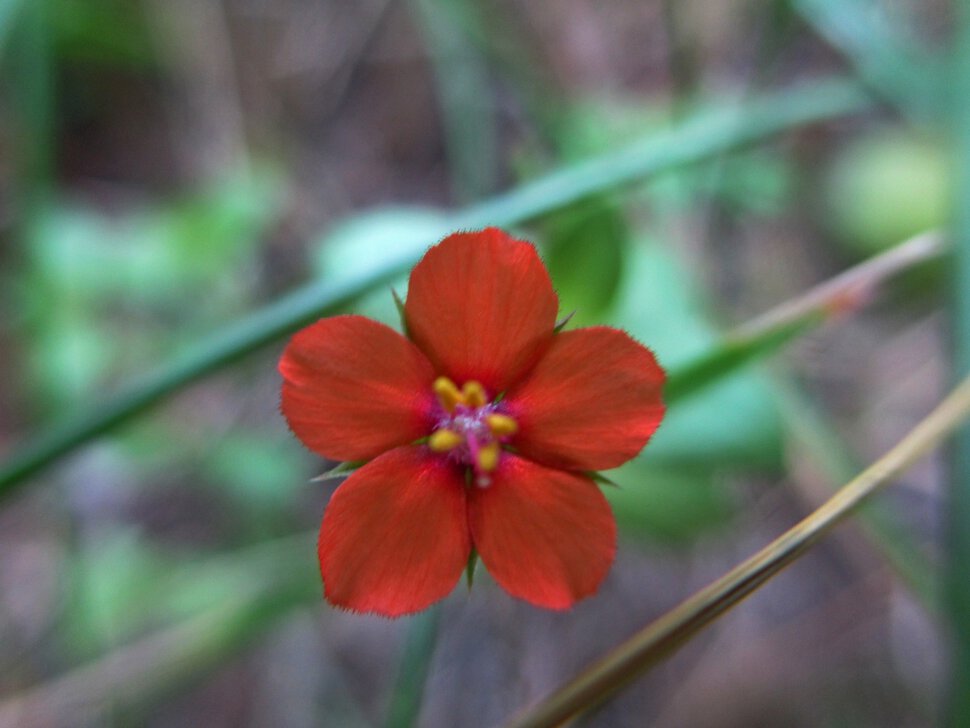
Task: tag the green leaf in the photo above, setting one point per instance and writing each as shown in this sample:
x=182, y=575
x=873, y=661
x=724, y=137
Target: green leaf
x=732, y=354
x=352, y=246
x=668, y=505
x=8, y=18
x=733, y=421
x=956, y=585
x=584, y=248
x=259, y=469
x=876, y=40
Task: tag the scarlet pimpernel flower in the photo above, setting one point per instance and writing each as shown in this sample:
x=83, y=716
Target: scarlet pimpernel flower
x=479, y=430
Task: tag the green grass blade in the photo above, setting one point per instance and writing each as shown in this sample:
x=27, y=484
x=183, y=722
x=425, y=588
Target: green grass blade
x=769, y=332
x=956, y=581
x=8, y=16
x=732, y=354
x=422, y=636
x=31, y=72
x=810, y=431
x=882, y=59
x=463, y=90
x=699, y=138
x=263, y=327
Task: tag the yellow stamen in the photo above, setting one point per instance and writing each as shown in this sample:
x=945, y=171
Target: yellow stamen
x=501, y=425
x=448, y=394
x=474, y=394
x=444, y=440
x=488, y=457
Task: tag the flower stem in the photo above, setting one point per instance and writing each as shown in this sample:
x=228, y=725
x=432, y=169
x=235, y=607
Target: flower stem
x=419, y=646
x=664, y=636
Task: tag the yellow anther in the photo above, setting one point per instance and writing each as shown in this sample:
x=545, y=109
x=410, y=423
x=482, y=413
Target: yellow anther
x=444, y=440
x=448, y=394
x=474, y=394
x=501, y=425
x=487, y=457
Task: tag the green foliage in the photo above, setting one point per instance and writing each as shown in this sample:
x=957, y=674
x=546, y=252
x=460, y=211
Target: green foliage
x=733, y=422
x=100, y=290
x=352, y=246
x=668, y=504
x=103, y=31
x=672, y=490
x=584, y=250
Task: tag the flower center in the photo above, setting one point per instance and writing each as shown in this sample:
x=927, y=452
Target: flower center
x=471, y=428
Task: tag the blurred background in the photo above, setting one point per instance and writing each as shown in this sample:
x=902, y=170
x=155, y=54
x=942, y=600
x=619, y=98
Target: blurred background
x=169, y=167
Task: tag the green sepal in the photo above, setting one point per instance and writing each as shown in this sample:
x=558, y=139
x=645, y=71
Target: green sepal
x=470, y=567
x=561, y=323
x=600, y=478
x=339, y=471
x=400, y=311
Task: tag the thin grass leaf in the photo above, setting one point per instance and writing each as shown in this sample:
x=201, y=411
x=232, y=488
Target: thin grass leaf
x=464, y=96
x=956, y=583
x=32, y=80
x=812, y=434
x=8, y=18
x=770, y=331
x=419, y=646
x=664, y=636
x=697, y=139
x=883, y=59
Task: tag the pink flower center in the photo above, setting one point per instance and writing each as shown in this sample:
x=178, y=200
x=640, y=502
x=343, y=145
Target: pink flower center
x=471, y=429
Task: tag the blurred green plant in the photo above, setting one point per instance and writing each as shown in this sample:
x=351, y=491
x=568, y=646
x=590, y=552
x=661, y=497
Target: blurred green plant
x=100, y=293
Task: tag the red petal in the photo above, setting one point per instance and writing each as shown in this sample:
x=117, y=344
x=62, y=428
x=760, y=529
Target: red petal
x=395, y=535
x=481, y=306
x=591, y=402
x=547, y=536
x=353, y=388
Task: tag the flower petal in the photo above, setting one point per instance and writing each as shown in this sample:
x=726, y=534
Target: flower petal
x=353, y=388
x=591, y=402
x=394, y=537
x=546, y=536
x=482, y=307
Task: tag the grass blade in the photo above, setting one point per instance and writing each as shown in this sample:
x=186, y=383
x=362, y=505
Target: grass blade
x=882, y=58
x=956, y=583
x=812, y=434
x=665, y=635
x=422, y=637
x=8, y=17
x=772, y=330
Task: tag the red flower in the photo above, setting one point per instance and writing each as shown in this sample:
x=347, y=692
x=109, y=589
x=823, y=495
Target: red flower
x=479, y=428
